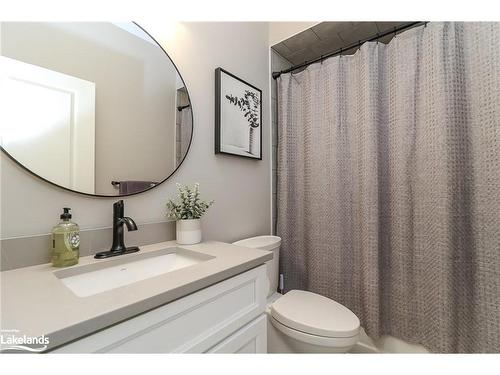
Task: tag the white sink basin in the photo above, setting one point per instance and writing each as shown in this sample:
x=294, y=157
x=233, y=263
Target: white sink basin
x=123, y=270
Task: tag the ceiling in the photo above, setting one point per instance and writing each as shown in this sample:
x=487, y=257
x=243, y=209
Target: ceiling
x=327, y=37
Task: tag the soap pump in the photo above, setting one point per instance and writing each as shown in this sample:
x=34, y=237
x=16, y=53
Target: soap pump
x=65, y=241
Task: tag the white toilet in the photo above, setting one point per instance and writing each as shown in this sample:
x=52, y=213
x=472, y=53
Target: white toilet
x=301, y=321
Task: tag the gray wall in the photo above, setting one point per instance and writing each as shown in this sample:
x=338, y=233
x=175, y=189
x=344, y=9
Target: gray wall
x=240, y=187
x=277, y=63
x=135, y=92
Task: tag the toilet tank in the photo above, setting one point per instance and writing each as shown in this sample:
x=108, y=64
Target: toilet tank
x=269, y=243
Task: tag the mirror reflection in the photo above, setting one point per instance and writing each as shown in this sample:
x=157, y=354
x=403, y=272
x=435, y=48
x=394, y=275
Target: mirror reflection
x=94, y=107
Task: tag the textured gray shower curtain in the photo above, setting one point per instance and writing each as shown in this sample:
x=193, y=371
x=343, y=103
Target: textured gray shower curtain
x=389, y=184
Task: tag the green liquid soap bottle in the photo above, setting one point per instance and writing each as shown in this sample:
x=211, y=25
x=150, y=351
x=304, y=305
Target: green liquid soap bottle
x=65, y=241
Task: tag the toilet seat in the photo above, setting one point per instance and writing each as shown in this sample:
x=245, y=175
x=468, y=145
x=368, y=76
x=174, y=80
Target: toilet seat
x=313, y=317
x=332, y=342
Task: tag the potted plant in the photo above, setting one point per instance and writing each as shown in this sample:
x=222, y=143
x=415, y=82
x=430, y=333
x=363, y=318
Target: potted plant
x=187, y=211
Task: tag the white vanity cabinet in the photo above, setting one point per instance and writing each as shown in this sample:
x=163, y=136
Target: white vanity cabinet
x=227, y=317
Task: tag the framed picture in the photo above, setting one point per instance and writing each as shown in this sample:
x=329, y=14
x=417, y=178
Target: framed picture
x=238, y=116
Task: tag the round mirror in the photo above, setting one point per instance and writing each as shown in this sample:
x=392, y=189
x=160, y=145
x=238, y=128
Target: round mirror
x=97, y=108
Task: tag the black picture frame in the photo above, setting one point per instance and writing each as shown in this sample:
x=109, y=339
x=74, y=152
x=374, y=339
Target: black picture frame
x=220, y=101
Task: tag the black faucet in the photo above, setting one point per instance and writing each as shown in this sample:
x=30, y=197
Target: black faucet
x=118, y=247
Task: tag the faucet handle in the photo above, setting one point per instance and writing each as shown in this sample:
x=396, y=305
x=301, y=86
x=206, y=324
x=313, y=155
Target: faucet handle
x=118, y=208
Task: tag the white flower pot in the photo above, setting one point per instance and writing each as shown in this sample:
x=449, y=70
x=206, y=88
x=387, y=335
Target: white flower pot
x=188, y=231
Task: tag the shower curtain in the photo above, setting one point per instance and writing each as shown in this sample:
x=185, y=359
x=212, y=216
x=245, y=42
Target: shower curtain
x=389, y=185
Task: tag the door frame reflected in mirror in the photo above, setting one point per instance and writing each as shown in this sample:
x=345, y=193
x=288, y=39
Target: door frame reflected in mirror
x=177, y=166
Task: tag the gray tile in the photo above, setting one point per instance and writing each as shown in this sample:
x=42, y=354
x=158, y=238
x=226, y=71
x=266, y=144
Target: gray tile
x=275, y=60
x=283, y=63
x=359, y=31
x=298, y=70
x=352, y=51
x=274, y=156
x=274, y=129
x=152, y=233
x=86, y=238
x=301, y=41
x=302, y=55
x=274, y=204
x=3, y=258
x=274, y=182
x=327, y=45
x=278, y=62
x=326, y=37
x=386, y=39
x=25, y=251
x=30, y=251
x=386, y=26
x=282, y=49
x=327, y=30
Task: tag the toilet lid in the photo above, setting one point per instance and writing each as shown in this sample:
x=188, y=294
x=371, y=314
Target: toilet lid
x=314, y=314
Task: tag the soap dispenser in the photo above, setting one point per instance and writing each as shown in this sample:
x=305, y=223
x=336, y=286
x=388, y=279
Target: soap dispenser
x=65, y=241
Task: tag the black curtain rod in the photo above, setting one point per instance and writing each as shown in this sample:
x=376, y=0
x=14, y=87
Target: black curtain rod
x=372, y=38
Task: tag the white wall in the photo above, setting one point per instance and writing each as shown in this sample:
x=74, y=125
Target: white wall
x=241, y=187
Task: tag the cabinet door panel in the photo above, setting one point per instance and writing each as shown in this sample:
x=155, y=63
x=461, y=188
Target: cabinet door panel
x=192, y=324
x=252, y=338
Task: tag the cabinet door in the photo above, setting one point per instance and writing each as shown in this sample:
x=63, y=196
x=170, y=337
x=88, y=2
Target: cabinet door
x=190, y=324
x=252, y=338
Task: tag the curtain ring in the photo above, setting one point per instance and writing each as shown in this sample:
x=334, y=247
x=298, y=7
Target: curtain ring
x=377, y=37
x=425, y=24
x=395, y=32
x=321, y=59
x=340, y=52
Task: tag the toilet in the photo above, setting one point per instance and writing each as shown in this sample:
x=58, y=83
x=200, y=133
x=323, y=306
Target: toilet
x=301, y=321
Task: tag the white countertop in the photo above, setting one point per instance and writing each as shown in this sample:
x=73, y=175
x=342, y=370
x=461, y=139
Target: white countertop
x=36, y=302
